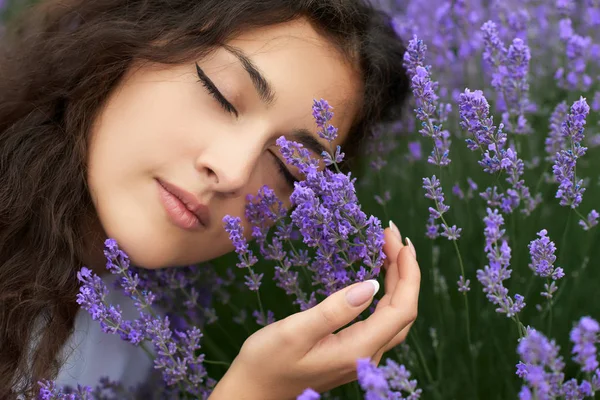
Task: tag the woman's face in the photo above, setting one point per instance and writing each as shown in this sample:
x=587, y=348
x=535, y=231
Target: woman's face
x=174, y=140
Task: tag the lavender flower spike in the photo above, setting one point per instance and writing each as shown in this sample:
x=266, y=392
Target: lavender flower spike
x=424, y=91
x=309, y=394
x=233, y=226
x=540, y=366
x=542, y=257
x=585, y=336
x=322, y=114
x=590, y=221
x=570, y=190
x=497, y=271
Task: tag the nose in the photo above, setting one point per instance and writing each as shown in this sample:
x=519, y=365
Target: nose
x=228, y=164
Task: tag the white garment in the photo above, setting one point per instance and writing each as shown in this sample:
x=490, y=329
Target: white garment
x=92, y=354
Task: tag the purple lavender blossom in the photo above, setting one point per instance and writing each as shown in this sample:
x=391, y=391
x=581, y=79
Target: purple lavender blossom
x=497, y=271
x=590, y=221
x=372, y=380
x=570, y=189
x=176, y=352
x=463, y=285
x=510, y=68
x=50, y=391
x=309, y=394
x=542, y=257
x=390, y=381
x=233, y=226
x=555, y=142
x=427, y=102
x=541, y=365
x=322, y=114
x=584, y=337
x=398, y=378
x=475, y=118
x=573, y=75
x=415, y=153
x=346, y=245
x=433, y=191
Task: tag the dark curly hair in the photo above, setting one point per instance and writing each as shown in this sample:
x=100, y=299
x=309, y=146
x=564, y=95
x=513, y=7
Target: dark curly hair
x=59, y=61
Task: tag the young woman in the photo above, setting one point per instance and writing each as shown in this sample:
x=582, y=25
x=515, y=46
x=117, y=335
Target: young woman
x=149, y=120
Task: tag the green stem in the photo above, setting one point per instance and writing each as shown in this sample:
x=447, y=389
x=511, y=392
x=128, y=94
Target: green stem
x=222, y=363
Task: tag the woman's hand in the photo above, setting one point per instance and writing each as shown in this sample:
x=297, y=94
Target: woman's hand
x=301, y=351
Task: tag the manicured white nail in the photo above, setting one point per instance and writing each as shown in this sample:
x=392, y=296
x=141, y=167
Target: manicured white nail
x=412, y=247
x=396, y=231
x=362, y=292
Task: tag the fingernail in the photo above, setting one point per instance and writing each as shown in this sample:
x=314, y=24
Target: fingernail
x=362, y=292
x=412, y=247
x=396, y=231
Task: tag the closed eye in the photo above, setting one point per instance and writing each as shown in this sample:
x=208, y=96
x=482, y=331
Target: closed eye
x=214, y=92
x=285, y=173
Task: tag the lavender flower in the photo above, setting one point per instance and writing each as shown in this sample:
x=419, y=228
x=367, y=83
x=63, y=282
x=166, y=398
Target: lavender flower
x=556, y=141
x=475, y=118
x=540, y=366
x=326, y=216
x=322, y=114
x=177, y=355
x=233, y=226
x=372, y=380
x=433, y=191
x=463, y=285
x=50, y=391
x=573, y=75
x=542, y=256
x=510, y=68
x=427, y=102
x=584, y=337
x=309, y=394
x=590, y=221
x=570, y=190
x=497, y=271
x=391, y=381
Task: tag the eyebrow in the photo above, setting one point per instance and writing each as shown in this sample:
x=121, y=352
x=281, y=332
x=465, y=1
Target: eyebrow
x=267, y=95
x=262, y=85
x=304, y=137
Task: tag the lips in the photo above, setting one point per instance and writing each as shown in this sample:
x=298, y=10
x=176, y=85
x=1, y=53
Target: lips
x=183, y=208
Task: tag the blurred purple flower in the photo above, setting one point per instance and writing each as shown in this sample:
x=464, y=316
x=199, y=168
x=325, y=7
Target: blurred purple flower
x=463, y=285
x=590, y=221
x=541, y=365
x=428, y=111
x=309, y=394
x=584, y=337
x=556, y=141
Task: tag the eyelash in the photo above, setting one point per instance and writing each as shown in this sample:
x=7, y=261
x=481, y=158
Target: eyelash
x=228, y=107
x=214, y=92
x=284, y=172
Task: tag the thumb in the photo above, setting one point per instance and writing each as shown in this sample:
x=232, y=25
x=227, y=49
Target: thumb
x=336, y=311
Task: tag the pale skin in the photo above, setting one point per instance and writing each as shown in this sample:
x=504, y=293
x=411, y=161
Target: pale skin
x=162, y=123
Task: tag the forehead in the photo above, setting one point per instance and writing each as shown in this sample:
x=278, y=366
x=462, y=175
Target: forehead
x=303, y=65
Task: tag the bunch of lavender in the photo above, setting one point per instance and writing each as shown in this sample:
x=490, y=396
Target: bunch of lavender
x=542, y=367
x=175, y=352
x=533, y=64
x=344, y=245
x=388, y=382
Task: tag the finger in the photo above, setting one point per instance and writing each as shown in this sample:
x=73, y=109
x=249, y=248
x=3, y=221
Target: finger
x=399, y=338
x=392, y=244
x=391, y=318
x=333, y=313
